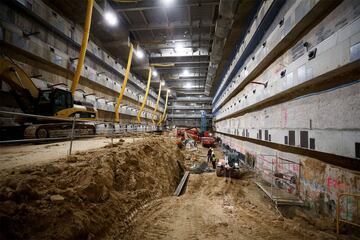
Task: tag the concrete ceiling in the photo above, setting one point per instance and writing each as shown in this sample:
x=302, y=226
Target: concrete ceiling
x=180, y=33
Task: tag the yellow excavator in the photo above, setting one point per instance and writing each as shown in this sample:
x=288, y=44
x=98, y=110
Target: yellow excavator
x=54, y=102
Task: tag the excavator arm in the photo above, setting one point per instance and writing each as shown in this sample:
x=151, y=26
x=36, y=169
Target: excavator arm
x=25, y=91
x=14, y=76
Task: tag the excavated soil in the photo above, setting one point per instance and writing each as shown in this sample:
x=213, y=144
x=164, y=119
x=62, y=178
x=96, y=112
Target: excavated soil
x=125, y=192
x=90, y=195
x=213, y=209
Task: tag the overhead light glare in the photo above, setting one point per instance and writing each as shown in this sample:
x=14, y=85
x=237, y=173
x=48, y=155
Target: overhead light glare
x=179, y=47
x=155, y=73
x=188, y=85
x=139, y=53
x=167, y=2
x=111, y=18
x=162, y=83
x=186, y=72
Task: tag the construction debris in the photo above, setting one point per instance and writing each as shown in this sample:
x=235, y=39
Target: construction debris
x=201, y=168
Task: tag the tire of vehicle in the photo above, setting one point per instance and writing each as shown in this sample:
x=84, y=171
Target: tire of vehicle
x=42, y=133
x=218, y=172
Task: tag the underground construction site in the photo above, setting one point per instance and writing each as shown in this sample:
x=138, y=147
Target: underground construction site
x=179, y=119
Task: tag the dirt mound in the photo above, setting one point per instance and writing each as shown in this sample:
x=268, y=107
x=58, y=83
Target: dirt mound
x=89, y=195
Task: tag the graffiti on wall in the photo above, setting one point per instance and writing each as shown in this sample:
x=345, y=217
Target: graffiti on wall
x=319, y=183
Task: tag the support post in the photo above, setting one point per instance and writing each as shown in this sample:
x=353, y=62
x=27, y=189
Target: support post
x=113, y=130
x=123, y=86
x=165, y=108
x=83, y=46
x=72, y=134
x=157, y=103
x=145, y=97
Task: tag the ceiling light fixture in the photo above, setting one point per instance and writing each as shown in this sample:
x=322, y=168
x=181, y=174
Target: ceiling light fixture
x=188, y=85
x=162, y=83
x=167, y=2
x=110, y=18
x=155, y=73
x=186, y=72
x=179, y=47
x=139, y=53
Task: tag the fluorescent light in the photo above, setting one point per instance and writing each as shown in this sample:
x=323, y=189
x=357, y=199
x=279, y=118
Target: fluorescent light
x=188, y=85
x=139, y=53
x=111, y=18
x=155, y=73
x=186, y=72
x=168, y=90
x=179, y=47
x=162, y=83
x=167, y=2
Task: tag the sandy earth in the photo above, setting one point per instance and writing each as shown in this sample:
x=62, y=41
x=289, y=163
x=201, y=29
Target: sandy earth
x=29, y=154
x=214, y=209
x=125, y=192
x=89, y=195
x=211, y=208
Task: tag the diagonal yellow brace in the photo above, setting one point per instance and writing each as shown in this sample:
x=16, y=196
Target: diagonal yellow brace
x=157, y=104
x=84, y=43
x=123, y=86
x=164, y=113
x=145, y=97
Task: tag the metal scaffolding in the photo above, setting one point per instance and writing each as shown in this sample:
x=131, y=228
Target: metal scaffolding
x=279, y=179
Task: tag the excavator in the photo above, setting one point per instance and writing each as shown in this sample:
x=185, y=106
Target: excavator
x=55, y=102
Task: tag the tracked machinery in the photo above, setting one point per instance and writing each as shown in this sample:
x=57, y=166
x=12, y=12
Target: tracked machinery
x=230, y=163
x=53, y=102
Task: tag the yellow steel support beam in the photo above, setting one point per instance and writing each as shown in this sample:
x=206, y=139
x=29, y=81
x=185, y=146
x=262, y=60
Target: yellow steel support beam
x=145, y=97
x=83, y=46
x=165, y=108
x=123, y=86
x=157, y=104
x=158, y=98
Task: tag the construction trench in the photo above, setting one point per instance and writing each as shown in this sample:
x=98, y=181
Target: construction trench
x=125, y=191
x=109, y=110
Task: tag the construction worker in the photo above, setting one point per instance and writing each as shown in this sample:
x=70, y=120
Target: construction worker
x=209, y=154
x=213, y=161
x=228, y=170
